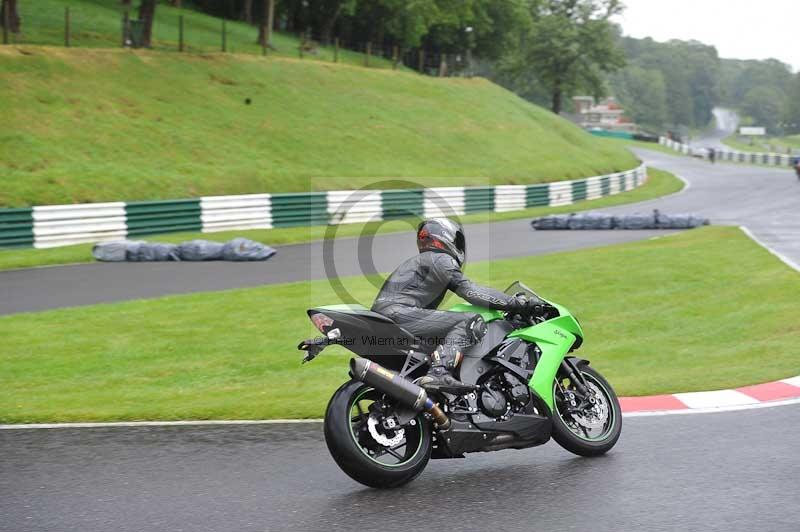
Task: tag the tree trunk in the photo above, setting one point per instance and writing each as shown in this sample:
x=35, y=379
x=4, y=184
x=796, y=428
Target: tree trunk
x=326, y=31
x=267, y=23
x=557, y=96
x=12, y=17
x=147, y=13
x=324, y=17
x=247, y=11
x=175, y=3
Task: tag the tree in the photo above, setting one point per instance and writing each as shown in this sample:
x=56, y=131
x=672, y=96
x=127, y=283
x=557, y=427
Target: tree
x=267, y=22
x=247, y=11
x=765, y=105
x=9, y=12
x=792, y=112
x=571, y=47
x=324, y=14
x=147, y=13
x=691, y=78
x=643, y=93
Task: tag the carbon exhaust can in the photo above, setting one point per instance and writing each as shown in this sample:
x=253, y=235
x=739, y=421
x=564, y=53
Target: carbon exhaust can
x=397, y=387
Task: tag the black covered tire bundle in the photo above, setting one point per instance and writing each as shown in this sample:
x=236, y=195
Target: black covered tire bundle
x=593, y=222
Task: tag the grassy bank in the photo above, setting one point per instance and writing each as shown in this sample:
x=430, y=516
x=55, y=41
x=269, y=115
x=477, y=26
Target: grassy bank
x=656, y=321
x=83, y=125
x=659, y=183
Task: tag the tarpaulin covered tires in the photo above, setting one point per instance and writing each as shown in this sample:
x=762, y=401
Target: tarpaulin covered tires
x=238, y=249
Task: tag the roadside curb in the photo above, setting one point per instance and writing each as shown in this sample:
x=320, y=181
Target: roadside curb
x=778, y=393
x=786, y=391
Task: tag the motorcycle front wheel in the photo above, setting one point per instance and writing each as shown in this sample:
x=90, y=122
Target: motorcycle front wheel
x=594, y=429
x=367, y=445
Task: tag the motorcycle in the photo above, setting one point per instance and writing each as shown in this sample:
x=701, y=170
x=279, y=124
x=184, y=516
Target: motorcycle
x=382, y=428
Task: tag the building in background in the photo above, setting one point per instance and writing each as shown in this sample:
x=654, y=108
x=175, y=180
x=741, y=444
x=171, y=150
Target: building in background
x=605, y=114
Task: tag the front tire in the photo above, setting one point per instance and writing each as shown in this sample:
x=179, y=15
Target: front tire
x=571, y=431
x=358, y=454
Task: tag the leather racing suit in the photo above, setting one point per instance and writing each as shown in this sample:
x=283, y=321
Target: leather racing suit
x=415, y=289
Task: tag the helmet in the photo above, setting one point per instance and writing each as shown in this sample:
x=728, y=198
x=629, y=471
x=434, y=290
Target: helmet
x=443, y=235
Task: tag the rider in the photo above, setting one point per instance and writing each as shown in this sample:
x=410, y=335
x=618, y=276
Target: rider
x=414, y=290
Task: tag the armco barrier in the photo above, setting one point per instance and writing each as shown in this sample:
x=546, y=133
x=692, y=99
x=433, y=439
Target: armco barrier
x=16, y=227
x=769, y=159
x=222, y=213
x=170, y=216
x=60, y=225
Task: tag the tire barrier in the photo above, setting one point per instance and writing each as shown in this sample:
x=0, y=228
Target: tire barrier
x=62, y=225
x=769, y=159
x=237, y=250
x=593, y=222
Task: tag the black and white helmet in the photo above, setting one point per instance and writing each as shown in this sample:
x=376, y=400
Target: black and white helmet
x=444, y=235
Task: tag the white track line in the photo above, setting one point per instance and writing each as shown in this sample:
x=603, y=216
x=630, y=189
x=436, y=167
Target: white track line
x=794, y=381
x=714, y=399
x=786, y=260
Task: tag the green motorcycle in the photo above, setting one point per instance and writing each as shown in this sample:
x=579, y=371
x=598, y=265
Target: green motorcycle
x=381, y=428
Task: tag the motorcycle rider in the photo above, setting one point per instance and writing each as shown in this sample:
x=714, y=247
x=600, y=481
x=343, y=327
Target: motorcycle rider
x=411, y=294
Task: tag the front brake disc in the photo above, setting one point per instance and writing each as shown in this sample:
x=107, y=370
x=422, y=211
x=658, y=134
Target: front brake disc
x=595, y=416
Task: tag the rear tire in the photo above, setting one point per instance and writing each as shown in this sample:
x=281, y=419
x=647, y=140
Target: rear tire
x=583, y=445
x=354, y=459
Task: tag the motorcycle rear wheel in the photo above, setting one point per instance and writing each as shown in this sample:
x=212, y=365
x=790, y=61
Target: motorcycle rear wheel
x=352, y=445
x=576, y=438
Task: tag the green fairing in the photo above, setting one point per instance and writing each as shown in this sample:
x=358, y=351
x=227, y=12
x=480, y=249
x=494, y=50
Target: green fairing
x=554, y=337
x=487, y=314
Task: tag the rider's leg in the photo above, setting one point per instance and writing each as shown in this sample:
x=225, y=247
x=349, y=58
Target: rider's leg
x=448, y=331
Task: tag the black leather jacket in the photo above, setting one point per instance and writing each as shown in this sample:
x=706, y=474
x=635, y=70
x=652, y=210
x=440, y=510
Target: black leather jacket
x=422, y=282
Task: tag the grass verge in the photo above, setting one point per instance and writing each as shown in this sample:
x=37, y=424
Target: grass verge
x=698, y=310
x=659, y=183
x=764, y=145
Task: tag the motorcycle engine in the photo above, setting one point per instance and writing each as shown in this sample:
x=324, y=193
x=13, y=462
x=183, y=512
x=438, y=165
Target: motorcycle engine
x=503, y=394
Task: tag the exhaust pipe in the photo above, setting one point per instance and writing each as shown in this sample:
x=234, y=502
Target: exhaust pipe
x=393, y=385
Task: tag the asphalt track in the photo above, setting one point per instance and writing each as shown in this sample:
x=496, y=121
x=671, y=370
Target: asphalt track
x=725, y=124
x=733, y=471
x=87, y=284
x=766, y=200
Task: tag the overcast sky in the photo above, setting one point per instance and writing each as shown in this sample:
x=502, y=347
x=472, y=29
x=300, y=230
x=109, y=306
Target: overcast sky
x=741, y=29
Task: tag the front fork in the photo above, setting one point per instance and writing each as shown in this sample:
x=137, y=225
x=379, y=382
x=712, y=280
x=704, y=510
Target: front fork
x=575, y=376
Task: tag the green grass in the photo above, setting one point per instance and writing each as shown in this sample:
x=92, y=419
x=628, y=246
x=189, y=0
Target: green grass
x=659, y=183
x=97, y=24
x=763, y=145
x=702, y=309
x=83, y=125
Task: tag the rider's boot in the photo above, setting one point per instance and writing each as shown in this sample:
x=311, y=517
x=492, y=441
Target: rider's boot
x=439, y=378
